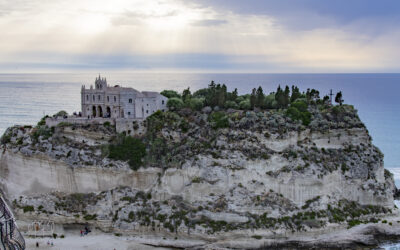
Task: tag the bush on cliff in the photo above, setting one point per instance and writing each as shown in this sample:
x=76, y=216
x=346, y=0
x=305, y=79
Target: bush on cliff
x=298, y=111
x=219, y=120
x=128, y=149
x=174, y=103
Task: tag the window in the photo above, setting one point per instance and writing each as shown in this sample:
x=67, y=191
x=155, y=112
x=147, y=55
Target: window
x=129, y=113
x=98, y=97
x=147, y=104
x=162, y=102
x=115, y=99
x=130, y=100
x=147, y=111
x=87, y=97
x=94, y=98
x=108, y=99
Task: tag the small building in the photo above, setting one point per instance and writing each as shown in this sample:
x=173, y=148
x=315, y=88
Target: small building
x=117, y=102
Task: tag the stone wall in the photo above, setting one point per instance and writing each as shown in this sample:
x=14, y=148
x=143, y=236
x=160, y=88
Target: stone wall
x=130, y=126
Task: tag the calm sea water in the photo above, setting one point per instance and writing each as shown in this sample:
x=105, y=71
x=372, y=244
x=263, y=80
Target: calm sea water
x=25, y=98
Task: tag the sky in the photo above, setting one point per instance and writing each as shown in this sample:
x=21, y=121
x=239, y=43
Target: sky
x=252, y=36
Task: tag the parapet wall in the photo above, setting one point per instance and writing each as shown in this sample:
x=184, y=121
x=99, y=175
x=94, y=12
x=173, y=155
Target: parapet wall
x=131, y=126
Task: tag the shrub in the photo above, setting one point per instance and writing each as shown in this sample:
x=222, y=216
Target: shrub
x=231, y=104
x=42, y=121
x=196, y=103
x=219, y=120
x=28, y=209
x=294, y=113
x=90, y=216
x=6, y=138
x=129, y=149
x=174, y=103
x=131, y=215
x=245, y=105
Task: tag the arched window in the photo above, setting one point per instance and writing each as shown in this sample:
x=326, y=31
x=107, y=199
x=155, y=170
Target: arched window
x=130, y=100
x=115, y=99
x=87, y=97
x=98, y=97
x=108, y=99
x=162, y=102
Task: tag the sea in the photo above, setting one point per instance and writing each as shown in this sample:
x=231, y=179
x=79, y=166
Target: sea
x=25, y=98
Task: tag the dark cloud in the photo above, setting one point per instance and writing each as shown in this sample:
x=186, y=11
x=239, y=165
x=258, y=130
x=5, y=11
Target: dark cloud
x=209, y=22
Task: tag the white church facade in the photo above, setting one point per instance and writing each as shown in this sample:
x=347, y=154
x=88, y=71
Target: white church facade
x=107, y=101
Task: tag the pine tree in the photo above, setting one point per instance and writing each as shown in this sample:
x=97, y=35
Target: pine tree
x=234, y=95
x=260, y=97
x=279, y=97
x=186, y=96
x=253, y=98
x=339, y=98
x=286, y=97
x=295, y=94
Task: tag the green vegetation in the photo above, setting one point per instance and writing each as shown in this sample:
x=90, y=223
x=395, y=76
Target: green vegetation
x=90, y=217
x=295, y=103
x=219, y=120
x=61, y=113
x=298, y=111
x=28, y=209
x=128, y=149
x=174, y=103
x=170, y=94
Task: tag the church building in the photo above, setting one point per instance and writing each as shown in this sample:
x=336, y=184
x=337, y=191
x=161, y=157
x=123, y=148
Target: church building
x=118, y=102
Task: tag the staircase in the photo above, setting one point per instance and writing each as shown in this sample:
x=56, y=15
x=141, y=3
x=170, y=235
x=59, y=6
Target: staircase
x=10, y=237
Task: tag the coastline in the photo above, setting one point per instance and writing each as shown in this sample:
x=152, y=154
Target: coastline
x=365, y=236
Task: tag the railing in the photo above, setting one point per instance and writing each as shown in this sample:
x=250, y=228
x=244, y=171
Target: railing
x=10, y=237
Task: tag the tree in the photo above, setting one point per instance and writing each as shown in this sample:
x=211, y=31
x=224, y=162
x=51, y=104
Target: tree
x=339, y=98
x=295, y=94
x=270, y=102
x=170, y=93
x=286, y=96
x=234, y=95
x=280, y=97
x=61, y=113
x=253, y=98
x=221, y=95
x=260, y=97
x=174, y=103
x=186, y=95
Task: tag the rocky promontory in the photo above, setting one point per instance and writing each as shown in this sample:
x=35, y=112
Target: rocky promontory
x=201, y=177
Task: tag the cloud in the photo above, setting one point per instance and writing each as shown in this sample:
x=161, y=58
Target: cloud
x=209, y=22
x=142, y=34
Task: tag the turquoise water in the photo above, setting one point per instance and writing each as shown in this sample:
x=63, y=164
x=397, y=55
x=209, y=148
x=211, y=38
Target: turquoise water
x=25, y=98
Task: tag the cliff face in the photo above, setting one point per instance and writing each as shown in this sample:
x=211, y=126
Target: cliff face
x=203, y=173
